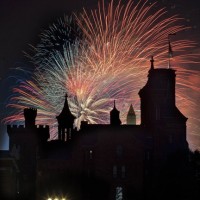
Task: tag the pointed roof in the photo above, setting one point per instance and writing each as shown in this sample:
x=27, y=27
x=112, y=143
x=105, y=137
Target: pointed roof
x=131, y=110
x=114, y=116
x=66, y=113
x=114, y=109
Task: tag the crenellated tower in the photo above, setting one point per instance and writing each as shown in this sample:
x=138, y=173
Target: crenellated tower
x=25, y=145
x=30, y=116
x=158, y=109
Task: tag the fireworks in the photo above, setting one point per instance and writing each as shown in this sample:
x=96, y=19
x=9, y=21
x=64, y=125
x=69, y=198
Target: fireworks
x=109, y=61
x=61, y=33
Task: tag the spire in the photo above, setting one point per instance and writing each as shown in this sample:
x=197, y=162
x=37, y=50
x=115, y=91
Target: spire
x=65, y=115
x=131, y=110
x=131, y=117
x=152, y=63
x=114, y=106
x=65, y=122
x=66, y=106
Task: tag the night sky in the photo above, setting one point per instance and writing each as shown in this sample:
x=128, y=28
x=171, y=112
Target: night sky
x=21, y=22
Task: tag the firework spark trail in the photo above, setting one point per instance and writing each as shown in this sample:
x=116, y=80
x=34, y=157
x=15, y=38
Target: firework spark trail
x=110, y=61
x=126, y=46
x=125, y=39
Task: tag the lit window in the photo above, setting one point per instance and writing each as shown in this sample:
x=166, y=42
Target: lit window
x=65, y=135
x=91, y=152
x=70, y=134
x=114, y=171
x=119, y=193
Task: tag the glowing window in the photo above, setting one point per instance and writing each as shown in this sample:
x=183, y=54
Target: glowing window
x=91, y=152
x=70, y=134
x=119, y=193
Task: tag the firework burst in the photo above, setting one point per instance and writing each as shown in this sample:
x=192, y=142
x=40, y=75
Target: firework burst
x=110, y=61
x=61, y=33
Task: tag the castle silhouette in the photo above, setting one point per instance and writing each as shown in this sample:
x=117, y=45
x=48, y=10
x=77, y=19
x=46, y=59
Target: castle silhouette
x=112, y=161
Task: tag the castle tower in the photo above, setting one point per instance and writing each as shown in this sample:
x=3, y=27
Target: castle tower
x=25, y=145
x=30, y=115
x=65, y=122
x=158, y=109
x=158, y=96
x=114, y=116
x=131, y=117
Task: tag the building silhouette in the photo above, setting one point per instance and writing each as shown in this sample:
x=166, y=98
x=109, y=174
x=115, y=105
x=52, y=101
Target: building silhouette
x=131, y=116
x=112, y=161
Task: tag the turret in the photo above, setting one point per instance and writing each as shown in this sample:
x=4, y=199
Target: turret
x=158, y=95
x=26, y=146
x=114, y=116
x=30, y=115
x=65, y=122
x=131, y=117
x=159, y=112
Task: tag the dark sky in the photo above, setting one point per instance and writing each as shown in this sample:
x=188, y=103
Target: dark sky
x=21, y=21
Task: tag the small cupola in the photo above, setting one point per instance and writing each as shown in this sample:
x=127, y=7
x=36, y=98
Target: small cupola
x=114, y=116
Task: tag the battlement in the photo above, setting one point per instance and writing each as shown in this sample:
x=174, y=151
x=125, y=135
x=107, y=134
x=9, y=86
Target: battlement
x=15, y=126
x=30, y=111
x=42, y=126
x=20, y=127
x=30, y=115
x=21, y=132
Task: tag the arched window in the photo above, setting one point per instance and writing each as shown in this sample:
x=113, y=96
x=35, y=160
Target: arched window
x=91, y=154
x=70, y=134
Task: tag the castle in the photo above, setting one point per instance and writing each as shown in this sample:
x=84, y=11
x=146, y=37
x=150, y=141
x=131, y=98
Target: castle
x=112, y=161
